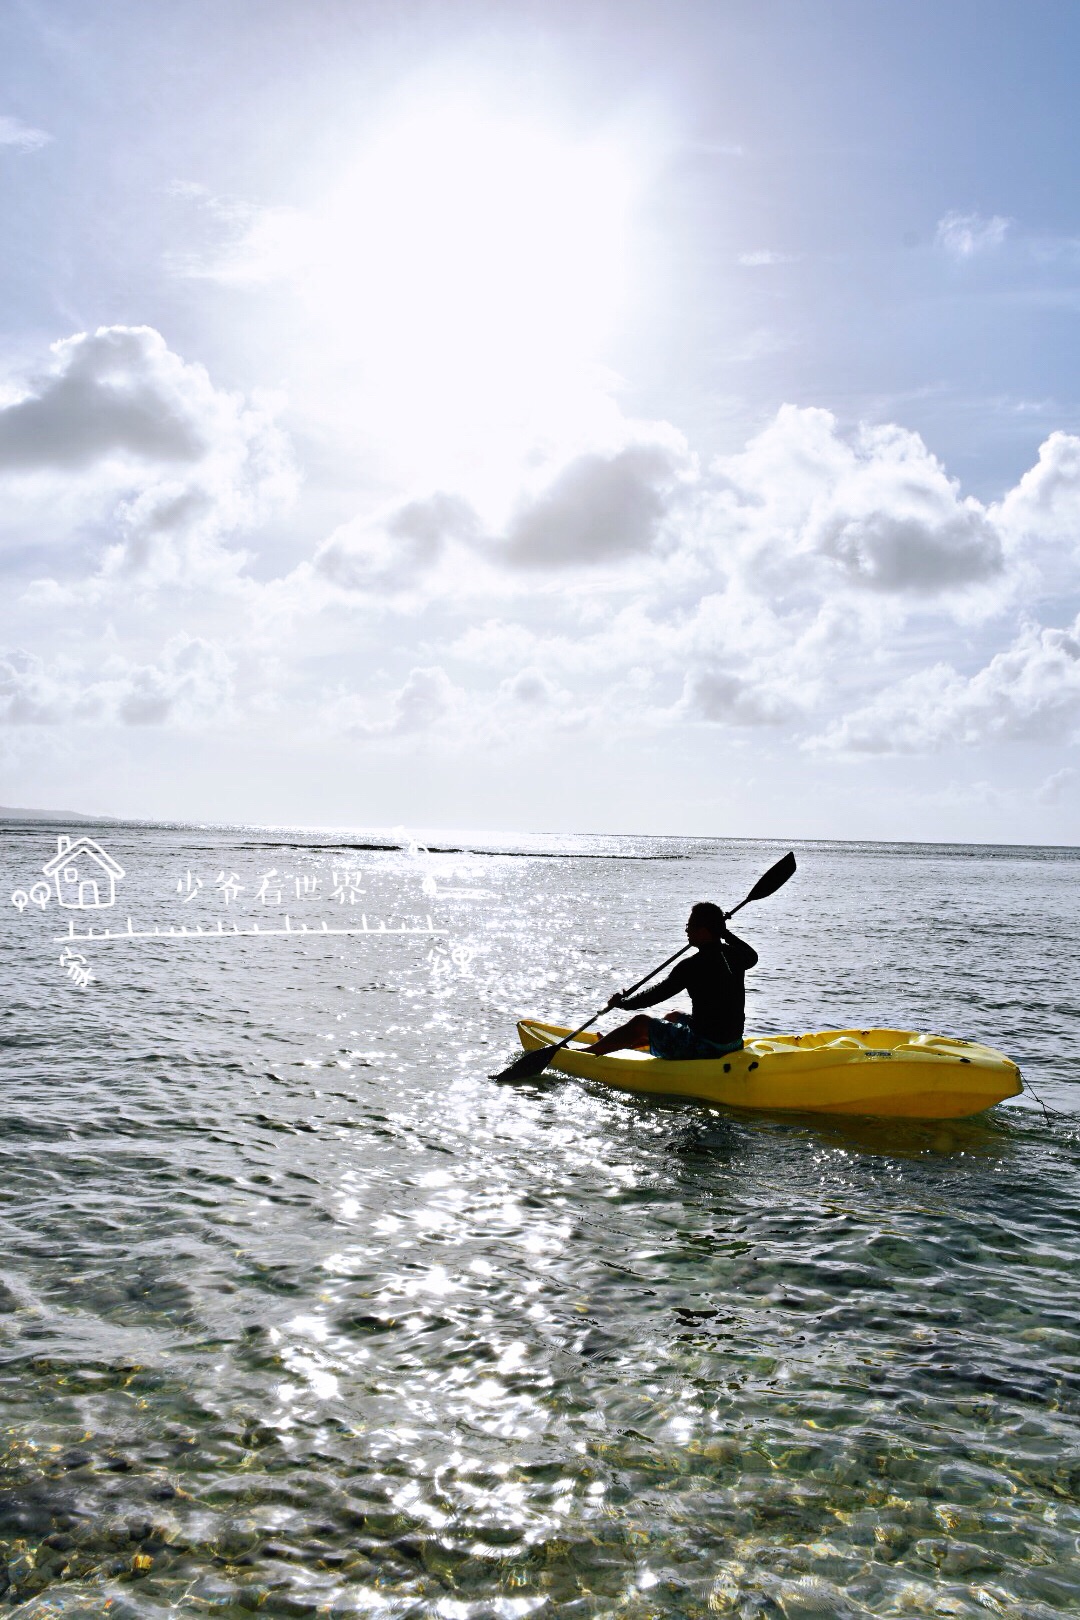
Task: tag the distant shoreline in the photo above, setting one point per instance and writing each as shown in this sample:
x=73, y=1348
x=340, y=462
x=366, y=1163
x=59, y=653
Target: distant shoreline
x=432, y=841
x=11, y=813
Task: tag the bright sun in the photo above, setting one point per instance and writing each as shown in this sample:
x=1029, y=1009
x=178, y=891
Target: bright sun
x=472, y=263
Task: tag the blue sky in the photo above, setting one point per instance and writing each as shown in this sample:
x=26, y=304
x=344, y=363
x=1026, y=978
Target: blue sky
x=401, y=405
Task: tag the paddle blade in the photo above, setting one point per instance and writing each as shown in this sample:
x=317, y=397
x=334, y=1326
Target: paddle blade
x=528, y=1065
x=773, y=879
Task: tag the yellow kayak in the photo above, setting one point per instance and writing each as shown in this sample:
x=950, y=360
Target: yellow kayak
x=892, y=1072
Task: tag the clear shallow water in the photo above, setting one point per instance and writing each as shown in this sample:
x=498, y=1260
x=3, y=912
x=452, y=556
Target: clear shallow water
x=301, y=1314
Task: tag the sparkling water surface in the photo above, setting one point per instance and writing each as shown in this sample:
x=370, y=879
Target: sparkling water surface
x=301, y=1314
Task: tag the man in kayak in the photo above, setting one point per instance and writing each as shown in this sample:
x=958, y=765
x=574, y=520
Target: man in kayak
x=713, y=979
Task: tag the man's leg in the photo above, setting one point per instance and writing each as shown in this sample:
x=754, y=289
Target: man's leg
x=635, y=1033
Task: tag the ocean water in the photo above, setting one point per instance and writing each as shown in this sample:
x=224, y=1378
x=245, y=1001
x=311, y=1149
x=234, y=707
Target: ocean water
x=300, y=1314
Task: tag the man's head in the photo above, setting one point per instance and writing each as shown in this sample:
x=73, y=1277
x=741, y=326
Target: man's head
x=705, y=924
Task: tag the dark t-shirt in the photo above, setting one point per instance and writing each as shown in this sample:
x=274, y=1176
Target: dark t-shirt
x=713, y=979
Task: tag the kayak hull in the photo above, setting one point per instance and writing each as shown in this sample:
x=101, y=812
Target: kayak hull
x=889, y=1073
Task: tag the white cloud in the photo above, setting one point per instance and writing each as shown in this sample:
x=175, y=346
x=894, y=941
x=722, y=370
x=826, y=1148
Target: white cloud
x=532, y=689
x=117, y=392
x=807, y=505
x=767, y=256
x=393, y=549
x=426, y=697
x=771, y=588
x=530, y=701
x=432, y=711
x=1057, y=786
x=191, y=684
x=774, y=587
x=963, y=236
x=427, y=700
x=720, y=695
x=24, y=138
x=598, y=508
x=119, y=438
x=1028, y=693
x=730, y=149
x=253, y=244
x=1039, y=521
x=758, y=343
x=767, y=589
x=1045, y=504
x=922, y=544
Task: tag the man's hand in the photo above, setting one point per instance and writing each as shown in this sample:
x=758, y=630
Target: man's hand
x=615, y=1001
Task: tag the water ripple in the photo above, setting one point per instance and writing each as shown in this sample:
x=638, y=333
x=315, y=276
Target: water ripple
x=300, y=1315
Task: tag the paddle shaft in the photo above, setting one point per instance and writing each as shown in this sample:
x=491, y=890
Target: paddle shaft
x=573, y=1037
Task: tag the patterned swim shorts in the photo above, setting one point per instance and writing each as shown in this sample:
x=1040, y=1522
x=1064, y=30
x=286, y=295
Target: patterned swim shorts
x=678, y=1042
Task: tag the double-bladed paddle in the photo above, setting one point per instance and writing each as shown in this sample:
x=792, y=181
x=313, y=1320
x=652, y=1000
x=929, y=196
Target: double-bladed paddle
x=530, y=1064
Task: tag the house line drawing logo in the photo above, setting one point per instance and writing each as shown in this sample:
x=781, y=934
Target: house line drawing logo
x=84, y=875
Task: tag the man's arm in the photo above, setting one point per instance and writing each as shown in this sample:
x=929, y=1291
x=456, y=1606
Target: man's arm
x=741, y=954
x=668, y=987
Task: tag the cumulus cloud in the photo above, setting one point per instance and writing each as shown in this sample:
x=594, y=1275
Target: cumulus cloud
x=427, y=695
x=530, y=701
x=925, y=548
x=114, y=392
x=395, y=547
x=874, y=508
x=595, y=509
x=763, y=589
x=1045, y=504
x=191, y=684
x=119, y=437
x=767, y=588
x=426, y=700
x=720, y=695
x=23, y=137
x=963, y=236
x=1057, y=786
x=598, y=508
x=431, y=710
x=1029, y=692
x=532, y=689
